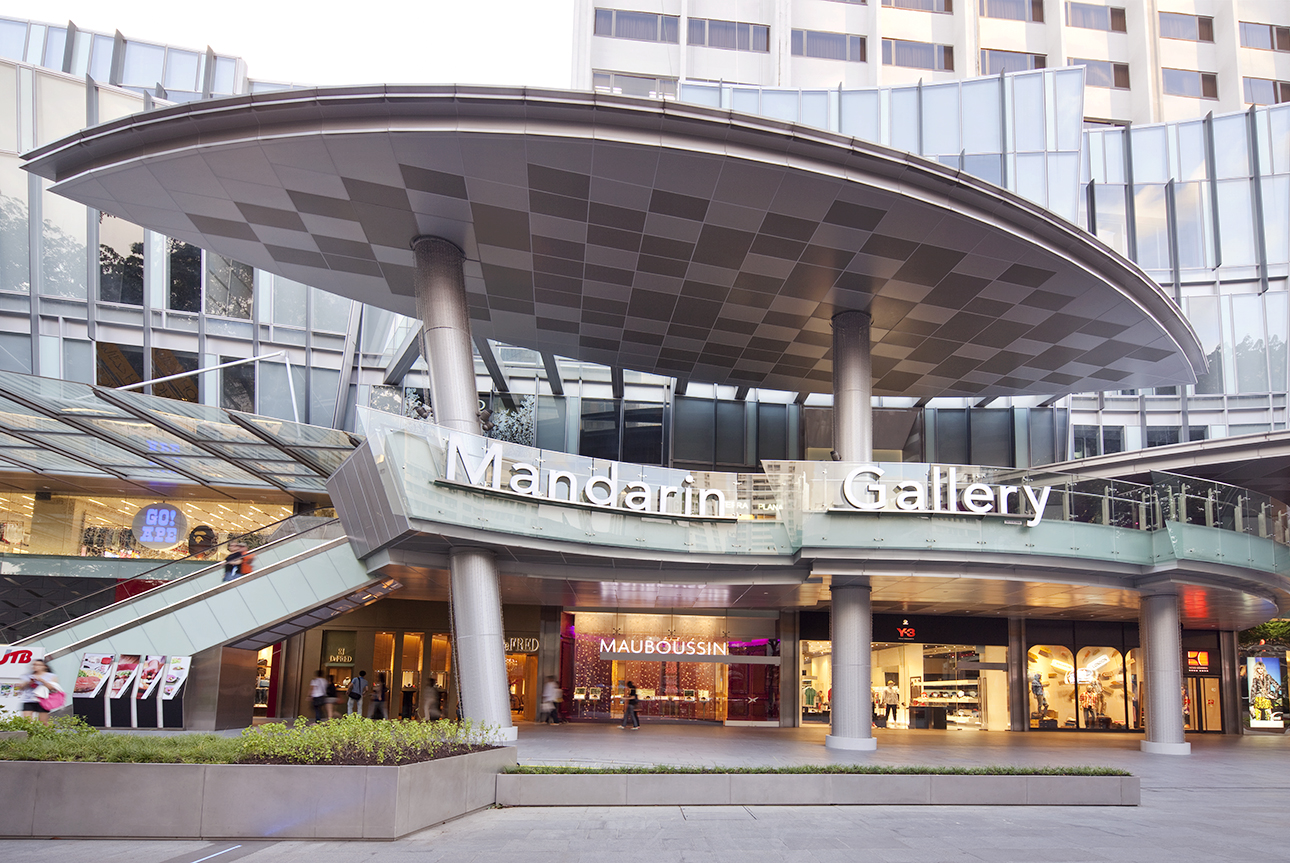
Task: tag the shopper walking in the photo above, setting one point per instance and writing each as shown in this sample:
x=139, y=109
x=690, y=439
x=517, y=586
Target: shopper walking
x=551, y=697
x=431, y=701
x=357, y=685
x=45, y=693
x=239, y=561
x=377, y=709
x=318, y=694
x=629, y=708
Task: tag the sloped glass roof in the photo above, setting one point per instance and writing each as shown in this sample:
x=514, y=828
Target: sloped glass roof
x=73, y=429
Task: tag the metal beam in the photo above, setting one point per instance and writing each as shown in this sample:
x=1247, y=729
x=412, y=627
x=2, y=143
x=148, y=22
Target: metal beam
x=741, y=393
x=985, y=401
x=1051, y=400
x=495, y=371
x=553, y=379
x=682, y=384
x=800, y=398
x=616, y=381
x=349, y=358
x=404, y=358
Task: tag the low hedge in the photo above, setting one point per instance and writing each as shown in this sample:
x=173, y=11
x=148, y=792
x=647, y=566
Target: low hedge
x=348, y=740
x=900, y=770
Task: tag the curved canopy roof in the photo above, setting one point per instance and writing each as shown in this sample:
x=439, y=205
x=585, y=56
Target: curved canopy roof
x=662, y=237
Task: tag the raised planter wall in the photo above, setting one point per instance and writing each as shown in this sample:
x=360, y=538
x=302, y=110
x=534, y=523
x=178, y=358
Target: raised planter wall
x=243, y=801
x=820, y=789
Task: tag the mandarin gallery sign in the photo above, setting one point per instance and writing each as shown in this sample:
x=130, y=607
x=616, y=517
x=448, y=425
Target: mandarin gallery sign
x=941, y=494
x=579, y=488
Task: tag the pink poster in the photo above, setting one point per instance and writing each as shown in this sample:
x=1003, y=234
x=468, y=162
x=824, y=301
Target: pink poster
x=150, y=671
x=126, y=669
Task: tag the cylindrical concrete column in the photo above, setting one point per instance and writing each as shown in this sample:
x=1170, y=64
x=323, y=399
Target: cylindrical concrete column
x=852, y=387
x=852, y=632
x=1162, y=661
x=440, y=286
x=1018, y=685
x=481, y=654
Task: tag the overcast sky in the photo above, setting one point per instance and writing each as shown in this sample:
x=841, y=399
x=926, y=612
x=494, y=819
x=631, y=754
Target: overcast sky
x=330, y=42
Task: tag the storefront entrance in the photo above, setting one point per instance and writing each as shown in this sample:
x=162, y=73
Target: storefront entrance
x=705, y=682
x=521, y=678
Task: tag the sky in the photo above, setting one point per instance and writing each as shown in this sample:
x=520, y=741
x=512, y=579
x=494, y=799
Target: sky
x=330, y=42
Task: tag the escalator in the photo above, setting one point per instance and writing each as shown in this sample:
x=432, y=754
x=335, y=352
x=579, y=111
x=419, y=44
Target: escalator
x=305, y=572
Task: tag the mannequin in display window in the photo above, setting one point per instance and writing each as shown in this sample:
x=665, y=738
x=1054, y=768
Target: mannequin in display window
x=1091, y=703
x=1037, y=690
x=890, y=701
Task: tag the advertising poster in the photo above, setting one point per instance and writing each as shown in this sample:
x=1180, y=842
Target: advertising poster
x=1267, y=695
x=145, y=683
x=127, y=667
x=95, y=668
x=15, y=665
x=176, y=674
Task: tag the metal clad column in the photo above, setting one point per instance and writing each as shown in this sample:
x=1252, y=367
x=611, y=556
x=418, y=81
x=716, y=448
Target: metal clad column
x=852, y=615
x=1018, y=685
x=481, y=653
x=440, y=288
x=852, y=387
x=1162, y=646
x=852, y=625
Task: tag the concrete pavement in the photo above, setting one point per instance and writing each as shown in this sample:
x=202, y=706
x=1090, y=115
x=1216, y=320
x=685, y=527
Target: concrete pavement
x=1225, y=802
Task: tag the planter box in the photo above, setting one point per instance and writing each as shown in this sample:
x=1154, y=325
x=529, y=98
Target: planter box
x=13, y=735
x=807, y=789
x=243, y=801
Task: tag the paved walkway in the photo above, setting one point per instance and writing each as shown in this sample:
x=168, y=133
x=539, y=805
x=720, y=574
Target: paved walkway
x=1225, y=802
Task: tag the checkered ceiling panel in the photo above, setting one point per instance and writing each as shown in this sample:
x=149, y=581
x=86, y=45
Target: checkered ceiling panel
x=705, y=266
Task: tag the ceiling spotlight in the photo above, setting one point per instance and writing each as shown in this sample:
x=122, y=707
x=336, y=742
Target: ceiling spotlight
x=484, y=415
x=422, y=412
x=833, y=454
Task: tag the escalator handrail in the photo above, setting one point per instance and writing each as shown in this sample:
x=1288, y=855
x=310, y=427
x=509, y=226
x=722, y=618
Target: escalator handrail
x=7, y=632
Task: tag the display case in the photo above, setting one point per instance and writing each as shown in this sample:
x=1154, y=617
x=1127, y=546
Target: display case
x=960, y=698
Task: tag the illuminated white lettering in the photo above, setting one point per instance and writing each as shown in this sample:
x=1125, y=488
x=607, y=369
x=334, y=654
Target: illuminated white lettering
x=524, y=479
x=978, y=498
x=1038, y=502
x=911, y=496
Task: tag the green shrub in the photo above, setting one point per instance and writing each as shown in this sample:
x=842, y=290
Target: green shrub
x=63, y=724
x=904, y=770
x=347, y=740
x=352, y=739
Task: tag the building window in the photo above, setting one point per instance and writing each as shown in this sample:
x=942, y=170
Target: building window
x=731, y=35
x=829, y=46
x=230, y=287
x=1012, y=10
x=185, y=276
x=633, y=85
x=917, y=55
x=1185, y=82
x=1102, y=73
x=1163, y=435
x=1092, y=17
x=1086, y=442
x=641, y=26
x=1112, y=439
x=994, y=62
x=921, y=5
x=1193, y=28
x=1261, y=91
x=1264, y=36
x=120, y=261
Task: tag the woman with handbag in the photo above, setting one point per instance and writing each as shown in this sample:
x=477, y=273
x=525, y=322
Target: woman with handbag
x=46, y=694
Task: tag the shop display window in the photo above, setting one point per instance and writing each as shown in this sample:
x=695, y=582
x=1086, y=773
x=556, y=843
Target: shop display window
x=816, y=682
x=1100, y=692
x=675, y=689
x=1051, y=679
x=1263, y=688
x=410, y=673
x=1133, y=679
x=383, y=661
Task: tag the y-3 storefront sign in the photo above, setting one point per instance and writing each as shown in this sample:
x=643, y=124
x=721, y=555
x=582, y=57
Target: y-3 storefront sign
x=941, y=494
x=581, y=486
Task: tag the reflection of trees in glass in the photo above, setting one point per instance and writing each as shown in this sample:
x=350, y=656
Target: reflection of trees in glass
x=1251, y=366
x=14, y=275
x=237, y=386
x=121, y=278
x=63, y=258
x=516, y=426
x=1212, y=381
x=185, y=276
x=1277, y=362
x=229, y=287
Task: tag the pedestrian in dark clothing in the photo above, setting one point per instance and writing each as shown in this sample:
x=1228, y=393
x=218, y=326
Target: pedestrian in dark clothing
x=629, y=708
